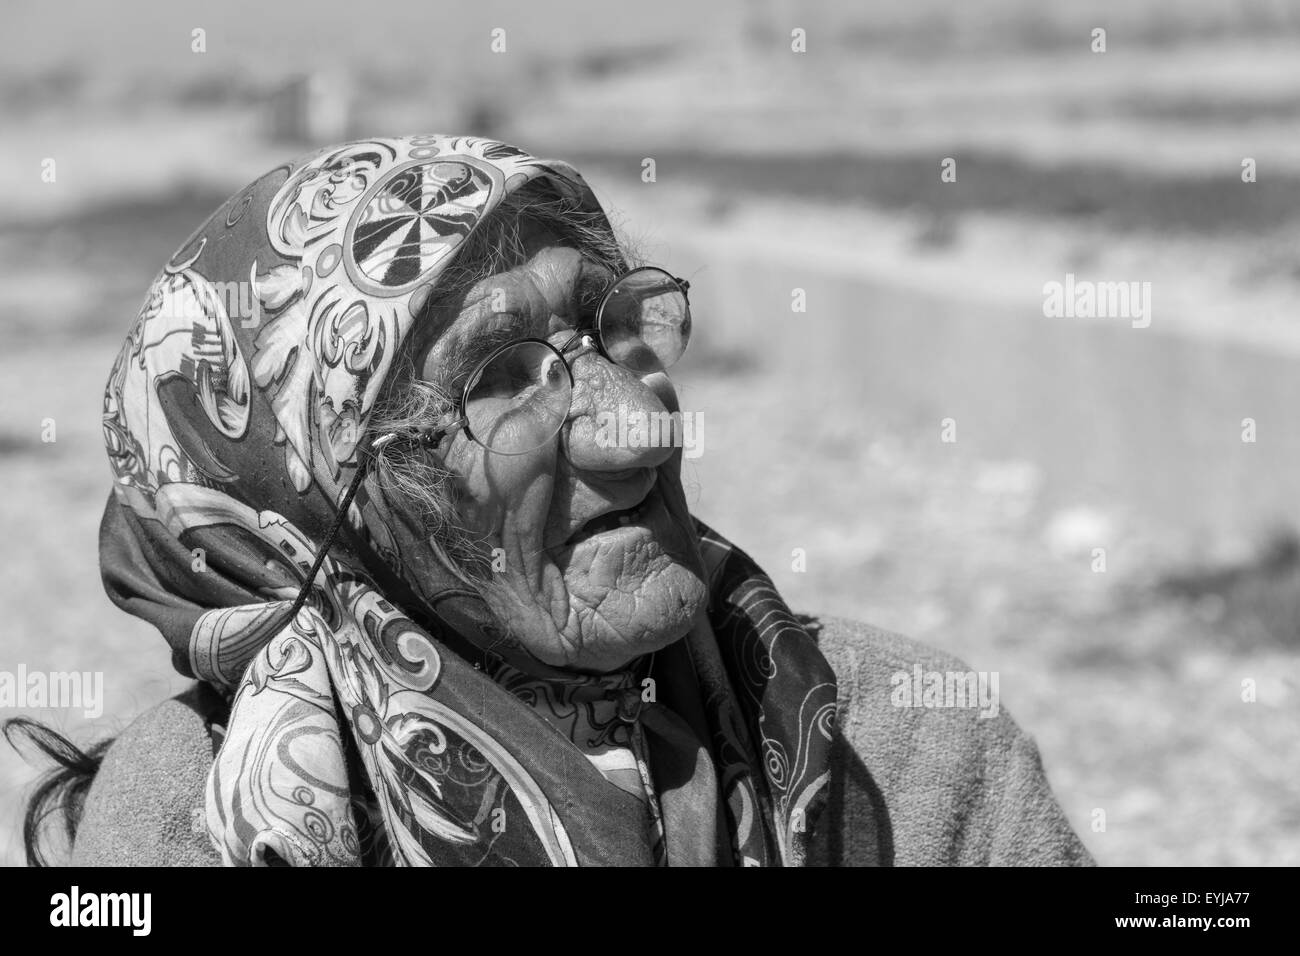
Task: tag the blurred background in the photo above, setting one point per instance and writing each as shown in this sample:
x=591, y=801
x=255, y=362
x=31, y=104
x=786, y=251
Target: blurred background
x=777, y=171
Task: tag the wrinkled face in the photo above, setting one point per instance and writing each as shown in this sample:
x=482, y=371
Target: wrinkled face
x=598, y=562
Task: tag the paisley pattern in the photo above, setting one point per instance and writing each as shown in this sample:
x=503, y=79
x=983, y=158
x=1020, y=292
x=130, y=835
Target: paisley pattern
x=232, y=419
x=765, y=647
x=183, y=332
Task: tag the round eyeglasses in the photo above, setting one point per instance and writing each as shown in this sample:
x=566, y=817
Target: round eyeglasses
x=517, y=399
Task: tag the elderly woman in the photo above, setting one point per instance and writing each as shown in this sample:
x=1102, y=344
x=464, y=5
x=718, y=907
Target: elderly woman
x=435, y=615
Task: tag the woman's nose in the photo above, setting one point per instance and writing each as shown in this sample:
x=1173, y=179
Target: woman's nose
x=616, y=420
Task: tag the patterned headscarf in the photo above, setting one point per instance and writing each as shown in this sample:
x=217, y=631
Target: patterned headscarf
x=233, y=420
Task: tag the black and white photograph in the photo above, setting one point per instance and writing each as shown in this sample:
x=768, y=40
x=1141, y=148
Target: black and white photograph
x=575, y=434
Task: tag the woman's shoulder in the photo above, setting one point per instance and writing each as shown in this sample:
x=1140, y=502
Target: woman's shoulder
x=145, y=806
x=929, y=767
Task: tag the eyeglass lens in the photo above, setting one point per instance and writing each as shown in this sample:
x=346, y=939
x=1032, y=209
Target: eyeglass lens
x=519, y=398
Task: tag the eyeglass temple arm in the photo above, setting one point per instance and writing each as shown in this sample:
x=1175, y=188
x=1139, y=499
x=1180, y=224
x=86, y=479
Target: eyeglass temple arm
x=673, y=285
x=434, y=436
x=670, y=284
x=353, y=487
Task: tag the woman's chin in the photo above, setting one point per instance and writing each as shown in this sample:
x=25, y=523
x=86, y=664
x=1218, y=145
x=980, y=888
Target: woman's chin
x=661, y=612
x=608, y=624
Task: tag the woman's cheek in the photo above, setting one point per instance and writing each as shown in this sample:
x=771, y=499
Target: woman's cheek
x=462, y=461
x=500, y=489
x=475, y=504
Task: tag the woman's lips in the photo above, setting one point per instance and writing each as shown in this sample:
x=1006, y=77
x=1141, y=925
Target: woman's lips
x=608, y=528
x=608, y=522
x=623, y=498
